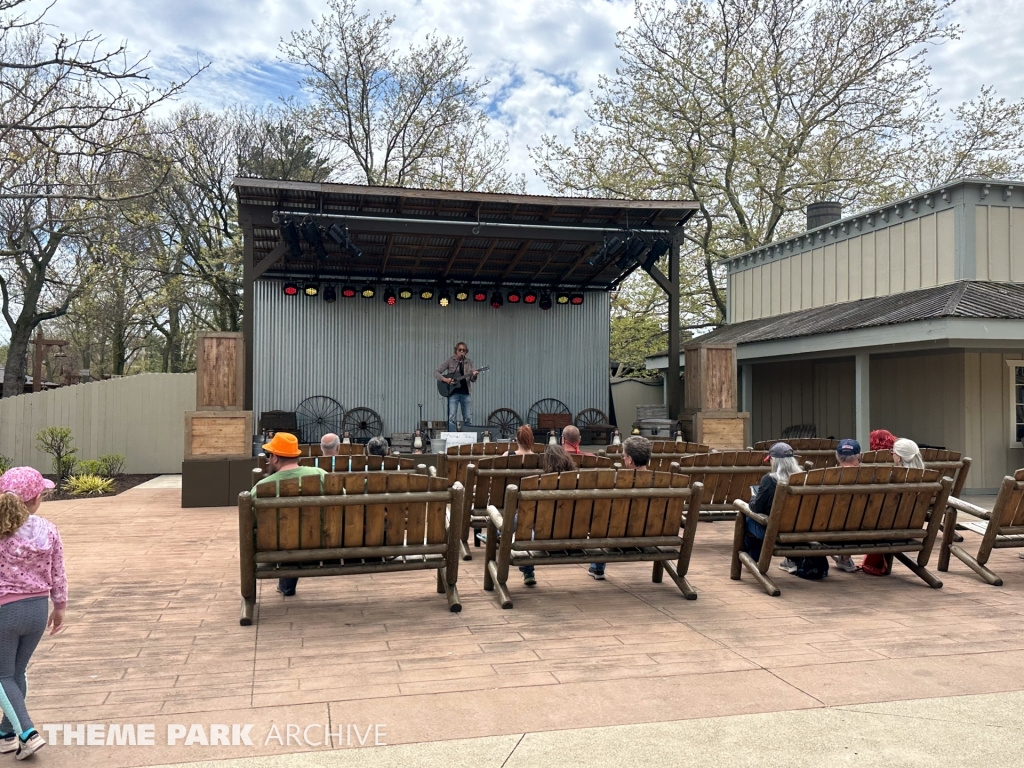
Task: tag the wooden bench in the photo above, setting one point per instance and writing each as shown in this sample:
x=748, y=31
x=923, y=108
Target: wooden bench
x=847, y=511
x=594, y=516
x=362, y=522
x=726, y=476
x=487, y=479
x=820, y=451
x=363, y=463
x=663, y=449
x=458, y=457
x=1001, y=528
x=952, y=464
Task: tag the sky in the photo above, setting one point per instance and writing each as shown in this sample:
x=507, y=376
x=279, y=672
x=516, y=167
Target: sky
x=543, y=57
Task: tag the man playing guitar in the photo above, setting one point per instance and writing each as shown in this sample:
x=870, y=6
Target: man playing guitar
x=458, y=368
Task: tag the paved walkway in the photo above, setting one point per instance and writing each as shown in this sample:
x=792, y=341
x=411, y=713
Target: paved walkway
x=625, y=669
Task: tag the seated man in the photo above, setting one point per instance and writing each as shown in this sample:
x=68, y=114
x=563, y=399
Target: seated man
x=330, y=444
x=636, y=454
x=848, y=455
x=571, y=441
x=282, y=461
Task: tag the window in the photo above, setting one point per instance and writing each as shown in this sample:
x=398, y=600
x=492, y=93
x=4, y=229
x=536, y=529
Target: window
x=1016, y=402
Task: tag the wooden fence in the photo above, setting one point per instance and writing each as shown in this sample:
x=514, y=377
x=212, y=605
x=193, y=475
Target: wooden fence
x=141, y=417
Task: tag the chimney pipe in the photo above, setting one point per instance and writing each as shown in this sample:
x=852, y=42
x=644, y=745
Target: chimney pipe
x=820, y=214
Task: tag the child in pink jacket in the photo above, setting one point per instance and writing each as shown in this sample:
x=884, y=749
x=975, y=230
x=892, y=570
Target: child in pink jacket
x=31, y=571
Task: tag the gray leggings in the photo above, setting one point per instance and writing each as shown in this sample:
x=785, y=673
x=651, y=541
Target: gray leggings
x=22, y=624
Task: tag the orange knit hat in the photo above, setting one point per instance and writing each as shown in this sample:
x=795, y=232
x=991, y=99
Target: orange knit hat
x=284, y=444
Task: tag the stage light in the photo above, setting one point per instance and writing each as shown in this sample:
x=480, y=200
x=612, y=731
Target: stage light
x=349, y=291
x=514, y=297
x=291, y=289
x=444, y=298
x=426, y=294
x=545, y=301
x=576, y=299
x=405, y=293
x=389, y=297
x=368, y=292
x=659, y=249
x=290, y=235
x=562, y=297
x=530, y=296
x=313, y=235
x=340, y=235
x=496, y=300
x=311, y=289
x=479, y=295
x=462, y=294
x=330, y=294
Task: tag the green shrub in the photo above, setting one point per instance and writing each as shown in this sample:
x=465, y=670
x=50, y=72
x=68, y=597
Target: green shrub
x=57, y=441
x=5, y=463
x=89, y=467
x=111, y=465
x=88, y=485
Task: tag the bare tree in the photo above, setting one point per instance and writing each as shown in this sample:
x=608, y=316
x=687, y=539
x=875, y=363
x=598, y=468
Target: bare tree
x=394, y=118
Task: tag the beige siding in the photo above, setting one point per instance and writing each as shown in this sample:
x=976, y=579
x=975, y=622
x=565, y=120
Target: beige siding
x=945, y=226
x=897, y=268
x=987, y=416
x=868, y=266
x=817, y=277
x=999, y=252
x=882, y=283
x=920, y=396
x=912, y=255
x=843, y=271
x=775, y=296
x=806, y=280
x=789, y=285
x=830, y=274
x=756, y=293
x=142, y=417
x=929, y=251
x=1017, y=245
x=856, y=269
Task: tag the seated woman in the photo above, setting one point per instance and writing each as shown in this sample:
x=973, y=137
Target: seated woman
x=557, y=459
x=784, y=464
x=905, y=453
x=524, y=442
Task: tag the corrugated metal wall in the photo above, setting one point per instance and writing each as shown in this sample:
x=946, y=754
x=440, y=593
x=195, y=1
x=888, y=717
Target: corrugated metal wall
x=364, y=353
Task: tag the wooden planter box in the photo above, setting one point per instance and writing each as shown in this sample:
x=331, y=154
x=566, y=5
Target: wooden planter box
x=218, y=435
x=220, y=371
x=722, y=430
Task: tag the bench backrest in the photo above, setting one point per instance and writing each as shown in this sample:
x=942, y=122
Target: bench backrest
x=1008, y=510
x=952, y=464
x=726, y=475
x=414, y=513
x=666, y=448
x=820, y=451
x=458, y=457
x=881, y=498
x=361, y=463
x=543, y=515
x=486, y=484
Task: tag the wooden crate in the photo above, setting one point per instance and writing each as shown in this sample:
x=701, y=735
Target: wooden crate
x=549, y=421
x=218, y=435
x=710, y=377
x=220, y=371
x=722, y=430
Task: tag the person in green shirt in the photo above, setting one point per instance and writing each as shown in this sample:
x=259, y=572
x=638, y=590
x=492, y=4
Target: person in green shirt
x=283, y=462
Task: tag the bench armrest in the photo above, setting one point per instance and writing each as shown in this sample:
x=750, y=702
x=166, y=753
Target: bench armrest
x=495, y=516
x=744, y=508
x=970, y=509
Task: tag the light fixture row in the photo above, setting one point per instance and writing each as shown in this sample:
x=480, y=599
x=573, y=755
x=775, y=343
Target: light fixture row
x=442, y=295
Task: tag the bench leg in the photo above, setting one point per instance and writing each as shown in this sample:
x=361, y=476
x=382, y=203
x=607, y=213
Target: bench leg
x=448, y=590
x=490, y=552
x=504, y=599
x=736, y=569
x=248, y=609
x=948, y=528
x=659, y=569
x=920, y=570
x=975, y=566
x=766, y=583
x=464, y=550
x=684, y=586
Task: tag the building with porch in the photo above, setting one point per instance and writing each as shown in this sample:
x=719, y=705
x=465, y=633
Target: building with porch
x=907, y=317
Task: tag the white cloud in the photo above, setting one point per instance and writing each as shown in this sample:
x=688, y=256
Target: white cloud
x=543, y=57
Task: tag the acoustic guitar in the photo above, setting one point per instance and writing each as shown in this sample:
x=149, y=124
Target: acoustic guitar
x=447, y=390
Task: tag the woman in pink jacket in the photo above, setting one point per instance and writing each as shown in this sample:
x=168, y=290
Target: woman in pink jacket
x=31, y=570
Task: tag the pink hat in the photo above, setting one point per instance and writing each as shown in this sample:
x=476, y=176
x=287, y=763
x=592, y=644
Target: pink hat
x=24, y=482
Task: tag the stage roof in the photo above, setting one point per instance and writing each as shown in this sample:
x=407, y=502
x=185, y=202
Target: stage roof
x=432, y=236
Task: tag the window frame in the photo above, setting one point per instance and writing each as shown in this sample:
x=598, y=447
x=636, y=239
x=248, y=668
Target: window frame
x=1013, y=365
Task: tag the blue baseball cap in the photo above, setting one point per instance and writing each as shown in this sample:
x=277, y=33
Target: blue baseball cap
x=848, y=447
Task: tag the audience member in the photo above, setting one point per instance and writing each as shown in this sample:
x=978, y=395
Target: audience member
x=848, y=456
x=377, y=446
x=636, y=454
x=881, y=440
x=783, y=466
x=571, y=441
x=524, y=442
x=905, y=453
x=556, y=459
x=330, y=445
x=283, y=462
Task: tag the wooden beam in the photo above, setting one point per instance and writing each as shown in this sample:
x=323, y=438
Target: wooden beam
x=454, y=256
x=269, y=260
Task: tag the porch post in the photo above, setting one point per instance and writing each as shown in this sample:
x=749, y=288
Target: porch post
x=673, y=390
x=862, y=399
x=746, y=387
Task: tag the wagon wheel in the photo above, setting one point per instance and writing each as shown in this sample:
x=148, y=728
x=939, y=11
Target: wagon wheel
x=589, y=417
x=506, y=421
x=362, y=424
x=547, y=405
x=316, y=416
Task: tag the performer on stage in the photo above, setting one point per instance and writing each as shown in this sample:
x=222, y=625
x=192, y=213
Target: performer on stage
x=451, y=370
